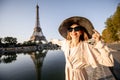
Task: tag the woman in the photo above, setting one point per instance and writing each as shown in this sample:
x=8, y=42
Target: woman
x=78, y=51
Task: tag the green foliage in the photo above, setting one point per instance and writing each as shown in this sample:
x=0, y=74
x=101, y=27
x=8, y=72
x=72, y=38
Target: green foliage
x=112, y=31
x=10, y=40
x=28, y=43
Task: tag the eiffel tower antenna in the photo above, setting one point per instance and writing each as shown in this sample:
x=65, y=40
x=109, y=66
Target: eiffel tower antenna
x=37, y=2
x=37, y=33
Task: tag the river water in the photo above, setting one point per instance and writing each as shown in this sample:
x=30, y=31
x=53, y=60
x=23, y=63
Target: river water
x=38, y=65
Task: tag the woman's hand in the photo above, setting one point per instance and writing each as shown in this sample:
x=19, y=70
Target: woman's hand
x=96, y=36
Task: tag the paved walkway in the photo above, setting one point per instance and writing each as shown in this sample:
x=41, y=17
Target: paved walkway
x=100, y=73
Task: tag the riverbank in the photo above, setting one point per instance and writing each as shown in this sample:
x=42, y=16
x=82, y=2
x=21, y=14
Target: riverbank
x=28, y=48
x=17, y=49
x=115, y=47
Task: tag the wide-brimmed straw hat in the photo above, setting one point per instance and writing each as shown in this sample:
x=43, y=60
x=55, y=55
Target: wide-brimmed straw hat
x=81, y=21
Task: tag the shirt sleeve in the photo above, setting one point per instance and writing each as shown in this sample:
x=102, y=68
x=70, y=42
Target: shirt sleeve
x=103, y=54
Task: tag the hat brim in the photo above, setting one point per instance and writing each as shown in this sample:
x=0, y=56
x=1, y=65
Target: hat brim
x=81, y=21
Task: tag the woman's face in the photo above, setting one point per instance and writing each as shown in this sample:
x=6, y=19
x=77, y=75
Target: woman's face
x=75, y=32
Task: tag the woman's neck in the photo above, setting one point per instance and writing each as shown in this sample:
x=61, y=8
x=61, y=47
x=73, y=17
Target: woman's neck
x=74, y=42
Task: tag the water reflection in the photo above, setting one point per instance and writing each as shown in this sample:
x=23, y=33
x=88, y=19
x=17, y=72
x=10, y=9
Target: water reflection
x=8, y=58
x=11, y=57
x=38, y=58
x=35, y=65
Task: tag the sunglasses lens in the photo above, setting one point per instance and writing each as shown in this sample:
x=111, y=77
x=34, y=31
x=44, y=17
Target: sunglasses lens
x=77, y=28
x=70, y=29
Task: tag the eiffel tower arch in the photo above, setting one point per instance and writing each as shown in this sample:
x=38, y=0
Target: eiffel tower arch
x=37, y=35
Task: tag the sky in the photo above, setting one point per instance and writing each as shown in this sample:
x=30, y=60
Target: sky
x=18, y=17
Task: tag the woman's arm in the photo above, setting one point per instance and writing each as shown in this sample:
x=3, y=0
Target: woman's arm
x=105, y=56
x=100, y=53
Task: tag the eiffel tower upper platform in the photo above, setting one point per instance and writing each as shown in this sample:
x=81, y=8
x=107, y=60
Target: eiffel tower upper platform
x=37, y=33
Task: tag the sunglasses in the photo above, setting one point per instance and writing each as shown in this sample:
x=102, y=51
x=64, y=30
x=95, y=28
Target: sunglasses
x=75, y=29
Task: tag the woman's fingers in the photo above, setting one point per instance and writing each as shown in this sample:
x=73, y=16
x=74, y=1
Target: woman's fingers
x=96, y=35
x=96, y=32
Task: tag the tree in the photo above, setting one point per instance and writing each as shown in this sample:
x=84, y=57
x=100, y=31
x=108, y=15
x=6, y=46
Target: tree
x=112, y=31
x=10, y=40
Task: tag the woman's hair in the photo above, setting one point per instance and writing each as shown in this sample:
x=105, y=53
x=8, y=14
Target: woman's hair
x=83, y=37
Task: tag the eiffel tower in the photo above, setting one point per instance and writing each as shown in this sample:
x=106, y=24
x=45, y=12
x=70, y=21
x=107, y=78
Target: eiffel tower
x=37, y=35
